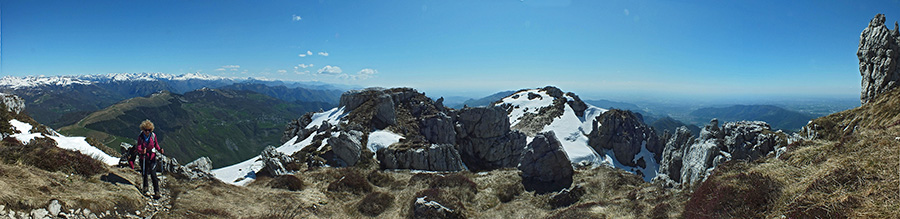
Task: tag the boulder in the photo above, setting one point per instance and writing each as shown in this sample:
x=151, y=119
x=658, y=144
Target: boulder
x=878, y=53
x=274, y=162
x=625, y=133
x=352, y=99
x=54, y=208
x=698, y=161
x=545, y=166
x=420, y=156
x=347, y=147
x=384, y=112
x=199, y=169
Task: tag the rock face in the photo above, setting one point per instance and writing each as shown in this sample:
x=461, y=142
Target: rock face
x=545, y=166
x=878, y=53
x=275, y=161
x=438, y=129
x=577, y=105
x=625, y=133
x=687, y=161
x=485, y=140
x=432, y=157
x=347, y=147
x=12, y=103
x=671, y=163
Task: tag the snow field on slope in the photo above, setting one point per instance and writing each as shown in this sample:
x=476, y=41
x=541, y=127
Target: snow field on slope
x=521, y=104
x=78, y=144
x=381, y=139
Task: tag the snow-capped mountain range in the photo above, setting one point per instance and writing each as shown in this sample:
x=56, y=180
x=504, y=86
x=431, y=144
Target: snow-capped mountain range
x=66, y=80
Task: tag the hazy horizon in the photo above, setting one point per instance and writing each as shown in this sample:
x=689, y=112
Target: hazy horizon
x=598, y=49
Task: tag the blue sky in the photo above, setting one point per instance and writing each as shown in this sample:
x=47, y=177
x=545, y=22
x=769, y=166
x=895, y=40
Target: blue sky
x=594, y=48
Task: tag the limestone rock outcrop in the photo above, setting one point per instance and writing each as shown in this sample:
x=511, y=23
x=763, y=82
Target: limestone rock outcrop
x=686, y=161
x=625, y=133
x=12, y=103
x=545, y=166
x=485, y=139
x=298, y=128
x=347, y=147
x=274, y=162
x=419, y=156
x=197, y=169
x=878, y=53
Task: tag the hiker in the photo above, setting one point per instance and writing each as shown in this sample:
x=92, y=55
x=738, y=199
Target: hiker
x=147, y=147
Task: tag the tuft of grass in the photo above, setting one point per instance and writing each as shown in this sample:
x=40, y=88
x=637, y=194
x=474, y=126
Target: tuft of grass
x=454, y=180
x=289, y=182
x=508, y=192
x=375, y=203
x=732, y=191
x=381, y=179
x=43, y=153
x=351, y=182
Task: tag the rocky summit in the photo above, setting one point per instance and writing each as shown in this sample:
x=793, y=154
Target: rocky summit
x=879, y=51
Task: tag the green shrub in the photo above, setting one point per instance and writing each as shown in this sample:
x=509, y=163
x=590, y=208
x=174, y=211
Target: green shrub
x=375, y=203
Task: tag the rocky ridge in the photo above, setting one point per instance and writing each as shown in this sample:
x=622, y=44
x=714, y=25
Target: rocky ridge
x=878, y=53
x=687, y=161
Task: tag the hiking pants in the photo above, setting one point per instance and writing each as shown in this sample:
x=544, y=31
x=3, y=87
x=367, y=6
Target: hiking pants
x=148, y=167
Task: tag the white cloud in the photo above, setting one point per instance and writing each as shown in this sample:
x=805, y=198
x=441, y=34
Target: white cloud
x=301, y=72
x=303, y=66
x=323, y=53
x=366, y=73
x=308, y=53
x=296, y=18
x=302, y=55
x=331, y=70
x=282, y=71
x=229, y=68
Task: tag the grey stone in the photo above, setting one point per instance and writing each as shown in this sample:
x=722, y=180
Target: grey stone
x=438, y=129
x=545, y=166
x=202, y=164
x=698, y=159
x=54, y=207
x=424, y=208
x=275, y=161
x=346, y=146
x=384, y=112
x=352, y=99
x=483, y=154
x=878, y=53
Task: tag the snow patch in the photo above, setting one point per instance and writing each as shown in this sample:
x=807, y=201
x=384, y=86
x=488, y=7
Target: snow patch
x=521, y=104
x=382, y=139
x=332, y=116
x=78, y=144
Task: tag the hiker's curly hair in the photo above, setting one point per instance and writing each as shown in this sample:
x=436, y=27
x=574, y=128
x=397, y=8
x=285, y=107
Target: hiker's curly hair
x=147, y=125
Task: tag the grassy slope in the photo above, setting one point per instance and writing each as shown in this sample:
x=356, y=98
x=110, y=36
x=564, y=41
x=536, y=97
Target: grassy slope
x=227, y=126
x=851, y=171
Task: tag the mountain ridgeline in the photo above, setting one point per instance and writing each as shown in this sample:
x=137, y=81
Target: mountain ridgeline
x=224, y=125
x=778, y=117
